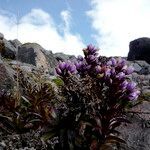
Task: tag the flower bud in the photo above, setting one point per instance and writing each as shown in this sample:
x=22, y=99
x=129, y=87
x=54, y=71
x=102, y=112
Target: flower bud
x=131, y=86
x=129, y=70
x=120, y=75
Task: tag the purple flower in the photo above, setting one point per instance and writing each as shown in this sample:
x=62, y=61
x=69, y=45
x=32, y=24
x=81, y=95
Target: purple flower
x=131, y=86
x=123, y=85
x=58, y=71
x=80, y=58
x=107, y=72
x=90, y=50
x=134, y=95
x=91, y=58
x=71, y=68
x=78, y=65
x=65, y=68
x=121, y=62
x=62, y=65
x=112, y=62
x=129, y=70
x=120, y=75
x=113, y=72
x=98, y=69
x=88, y=67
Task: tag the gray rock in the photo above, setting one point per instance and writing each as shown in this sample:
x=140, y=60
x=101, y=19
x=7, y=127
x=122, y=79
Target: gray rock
x=50, y=58
x=141, y=67
x=63, y=57
x=16, y=43
x=139, y=49
x=6, y=77
x=1, y=36
x=137, y=134
x=9, y=50
x=32, y=53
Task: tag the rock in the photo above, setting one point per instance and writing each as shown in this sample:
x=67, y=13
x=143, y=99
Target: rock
x=6, y=77
x=137, y=134
x=140, y=67
x=16, y=43
x=139, y=49
x=50, y=58
x=1, y=36
x=9, y=50
x=63, y=57
x=33, y=53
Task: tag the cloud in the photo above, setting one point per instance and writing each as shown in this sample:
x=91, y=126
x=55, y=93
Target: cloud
x=117, y=22
x=66, y=17
x=39, y=26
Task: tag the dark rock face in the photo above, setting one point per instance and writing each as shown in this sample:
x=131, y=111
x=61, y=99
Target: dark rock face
x=50, y=58
x=7, y=49
x=139, y=49
x=1, y=36
x=16, y=43
x=63, y=57
x=32, y=53
x=137, y=134
x=6, y=77
x=27, y=55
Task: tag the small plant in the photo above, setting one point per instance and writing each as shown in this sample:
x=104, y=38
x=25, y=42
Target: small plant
x=96, y=97
x=34, y=107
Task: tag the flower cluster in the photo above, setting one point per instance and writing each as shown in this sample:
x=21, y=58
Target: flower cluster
x=113, y=73
x=96, y=98
x=65, y=69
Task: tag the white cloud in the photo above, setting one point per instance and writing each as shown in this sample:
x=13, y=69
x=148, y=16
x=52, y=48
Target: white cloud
x=38, y=26
x=66, y=17
x=117, y=22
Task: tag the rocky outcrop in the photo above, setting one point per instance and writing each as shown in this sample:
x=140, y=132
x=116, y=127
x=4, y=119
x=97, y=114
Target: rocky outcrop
x=141, y=75
x=33, y=53
x=6, y=76
x=139, y=49
x=16, y=43
x=137, y=133
x=7, y=49
x=63, y=57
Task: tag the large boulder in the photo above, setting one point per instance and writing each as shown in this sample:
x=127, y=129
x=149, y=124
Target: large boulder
x=1, y=36
x=139, y=49
x=6, y=76
x=33, y=53
x=63, y=57
x=16, y=43
x=7, y=49
x=140, y=67
x=137, y=134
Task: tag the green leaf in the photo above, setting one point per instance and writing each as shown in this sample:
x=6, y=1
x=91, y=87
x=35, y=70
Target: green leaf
x=114, y=139
x=50, y=134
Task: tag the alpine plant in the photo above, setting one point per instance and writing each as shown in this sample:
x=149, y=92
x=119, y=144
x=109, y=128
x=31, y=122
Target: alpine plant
x=96, y=97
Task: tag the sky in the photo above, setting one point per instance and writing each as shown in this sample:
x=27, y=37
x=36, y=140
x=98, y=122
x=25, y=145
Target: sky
x=68, y=26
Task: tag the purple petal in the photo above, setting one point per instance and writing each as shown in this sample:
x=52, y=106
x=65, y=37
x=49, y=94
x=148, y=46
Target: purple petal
x=129, y=70
x=107, y=72
x=131, y=86
x=109, y=63
x=113, y=72
x=134, y=95
x=62, y=65
x=78, y=65
x=124, y=85
x=114, y=62
x=58, y=71
x=120, y=75
x=98, y=69
x=80, y=58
